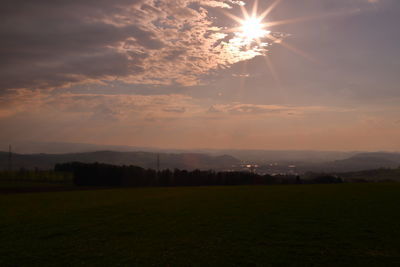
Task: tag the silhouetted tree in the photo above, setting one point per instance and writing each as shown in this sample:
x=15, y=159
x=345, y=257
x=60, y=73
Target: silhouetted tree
x=98, y=174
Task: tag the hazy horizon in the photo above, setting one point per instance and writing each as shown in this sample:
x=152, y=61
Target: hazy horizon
x=28, y=147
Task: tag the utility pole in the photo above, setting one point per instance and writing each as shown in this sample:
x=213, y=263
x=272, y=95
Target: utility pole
x=158, y=162
x=9, y=158
x=158, y=169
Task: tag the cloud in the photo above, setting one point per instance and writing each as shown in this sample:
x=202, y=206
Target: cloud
x=254, y=110
x=117, y=107
x=174, y=109
x=48, y=44
x=129, y=107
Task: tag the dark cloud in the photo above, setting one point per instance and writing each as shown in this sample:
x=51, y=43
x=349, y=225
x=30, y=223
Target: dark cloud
x=53, y=43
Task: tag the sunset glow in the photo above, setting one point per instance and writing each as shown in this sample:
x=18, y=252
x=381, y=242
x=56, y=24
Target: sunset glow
x=236, y=74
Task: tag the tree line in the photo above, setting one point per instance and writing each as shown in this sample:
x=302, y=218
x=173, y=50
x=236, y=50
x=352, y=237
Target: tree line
x=100, y=174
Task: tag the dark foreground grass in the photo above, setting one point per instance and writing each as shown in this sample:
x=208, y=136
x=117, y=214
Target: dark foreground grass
x=311, y=225
x=4, y=185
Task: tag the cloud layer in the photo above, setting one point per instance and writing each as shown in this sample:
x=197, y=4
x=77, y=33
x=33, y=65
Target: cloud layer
x=48, y=44
x=171, y=73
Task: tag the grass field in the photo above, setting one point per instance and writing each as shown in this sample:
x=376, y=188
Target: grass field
x=309, y=225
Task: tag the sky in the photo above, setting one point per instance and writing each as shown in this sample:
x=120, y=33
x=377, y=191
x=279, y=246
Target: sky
x=186, y=74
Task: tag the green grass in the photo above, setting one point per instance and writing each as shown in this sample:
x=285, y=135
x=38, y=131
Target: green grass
x=310, y=225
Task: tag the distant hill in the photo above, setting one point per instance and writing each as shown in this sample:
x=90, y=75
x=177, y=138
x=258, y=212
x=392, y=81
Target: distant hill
x=187, y=161
x=363, y=161
x=26, y=147
x=305, y=160
x=287, y=156
x=250, y=155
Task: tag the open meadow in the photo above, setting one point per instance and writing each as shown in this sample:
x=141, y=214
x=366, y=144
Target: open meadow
x=293, y=225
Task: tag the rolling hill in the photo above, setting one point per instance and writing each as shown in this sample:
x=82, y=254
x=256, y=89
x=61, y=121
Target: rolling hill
x=187, y=161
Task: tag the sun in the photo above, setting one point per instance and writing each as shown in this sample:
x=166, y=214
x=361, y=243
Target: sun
x=252, y=25
x=252, y=28
x=253, y=34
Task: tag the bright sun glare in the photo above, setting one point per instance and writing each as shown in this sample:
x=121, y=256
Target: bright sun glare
x=252, y=36
x=252, y=28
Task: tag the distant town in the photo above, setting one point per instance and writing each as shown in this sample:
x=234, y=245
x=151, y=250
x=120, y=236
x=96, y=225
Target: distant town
x=270, y=169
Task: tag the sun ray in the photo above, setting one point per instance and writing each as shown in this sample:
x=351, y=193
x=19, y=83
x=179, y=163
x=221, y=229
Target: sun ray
x=245, y=13
x=293, y=49
x=243, y=78
x=269, y=9
x=300, y=52
x=235, y=18
x=255, y=7
x=273, y=72
x=276, y=77
x=308, y=18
